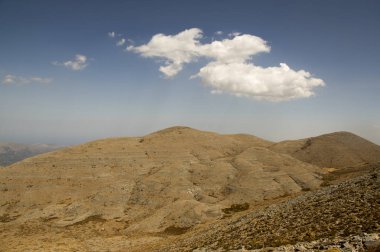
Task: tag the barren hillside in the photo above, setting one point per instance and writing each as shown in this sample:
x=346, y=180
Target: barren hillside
x=177, y=177
x=119, y=193
x=349, y=208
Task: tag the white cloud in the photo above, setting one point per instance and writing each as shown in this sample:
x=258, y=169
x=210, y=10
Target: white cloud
x=176, y=50
x=77, y=64
x=185, y=47
x=219, y=33
x=121, y=42
x=230, y=70
x=278, y=83
x=10, y=79
x=238, y=49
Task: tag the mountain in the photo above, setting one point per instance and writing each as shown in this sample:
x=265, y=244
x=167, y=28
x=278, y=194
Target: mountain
x=119, y=193
x=336, y=150
x=174, y=178
x=12, y=152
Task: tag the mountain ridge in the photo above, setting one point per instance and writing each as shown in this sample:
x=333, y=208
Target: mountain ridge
x=157, y=185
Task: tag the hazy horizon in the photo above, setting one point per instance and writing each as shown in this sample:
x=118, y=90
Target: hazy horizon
x=81, y=140
x=72, y=72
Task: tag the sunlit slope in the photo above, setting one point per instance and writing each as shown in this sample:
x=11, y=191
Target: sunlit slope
x=168, y=180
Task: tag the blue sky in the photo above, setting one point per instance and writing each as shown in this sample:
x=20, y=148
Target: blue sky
x=122, y=93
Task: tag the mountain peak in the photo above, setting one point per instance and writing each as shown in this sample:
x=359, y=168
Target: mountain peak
x=175, y=129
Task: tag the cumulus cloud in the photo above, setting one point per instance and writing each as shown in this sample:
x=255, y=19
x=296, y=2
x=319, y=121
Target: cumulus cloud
x=112, y=34
x=176, y=50
x=237, y=49
x=230, y=69
x=10, y=79
x=185, y=47
x=77, y=64
x=279, y=83
x=121, y=42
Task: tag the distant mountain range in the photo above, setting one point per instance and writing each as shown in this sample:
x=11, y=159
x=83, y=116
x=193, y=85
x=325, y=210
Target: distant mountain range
x=12, y=152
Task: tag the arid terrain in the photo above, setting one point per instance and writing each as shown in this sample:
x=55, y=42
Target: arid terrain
x=182, y=189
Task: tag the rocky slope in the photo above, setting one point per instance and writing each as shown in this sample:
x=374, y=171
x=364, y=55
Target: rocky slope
x=350, y=208
x=352, y=243
x=11, y=152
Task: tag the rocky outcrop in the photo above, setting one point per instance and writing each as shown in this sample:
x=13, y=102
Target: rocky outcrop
x=352, y=243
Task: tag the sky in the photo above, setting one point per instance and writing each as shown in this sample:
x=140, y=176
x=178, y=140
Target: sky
x=75, y=71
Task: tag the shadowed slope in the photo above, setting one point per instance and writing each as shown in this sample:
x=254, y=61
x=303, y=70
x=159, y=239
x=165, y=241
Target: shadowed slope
x=349, y=208
x=336, y=150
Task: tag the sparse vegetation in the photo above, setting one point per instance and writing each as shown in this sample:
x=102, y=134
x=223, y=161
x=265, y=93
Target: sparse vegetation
x=189, y=188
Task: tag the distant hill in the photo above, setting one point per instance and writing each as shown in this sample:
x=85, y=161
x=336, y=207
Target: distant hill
x=12, y=152
x=336, y=150
x=151, y=187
